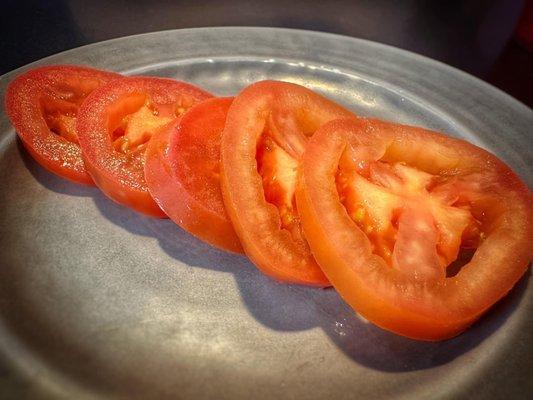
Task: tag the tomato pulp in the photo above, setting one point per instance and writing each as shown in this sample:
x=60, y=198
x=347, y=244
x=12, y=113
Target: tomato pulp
x=182, y=171
x=115, y=124
x=265, y=135
x=43, y=104
x=390, y=210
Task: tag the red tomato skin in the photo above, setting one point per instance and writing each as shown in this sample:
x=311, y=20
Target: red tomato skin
x=434, y=310
x=22, y=103
x=256, y=221
x=113, y=172
x=174, y=178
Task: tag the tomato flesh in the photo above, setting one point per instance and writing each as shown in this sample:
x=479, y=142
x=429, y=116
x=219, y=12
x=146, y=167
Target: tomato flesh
x=406, y=222
x=279, y=172
x=115, y=125
x=43, y=105
x=389, y=210
x=136, y=129
x=266, y=133
x=182, y=171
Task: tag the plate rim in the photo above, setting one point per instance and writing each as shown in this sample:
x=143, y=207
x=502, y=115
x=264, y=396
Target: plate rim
x=335, y=36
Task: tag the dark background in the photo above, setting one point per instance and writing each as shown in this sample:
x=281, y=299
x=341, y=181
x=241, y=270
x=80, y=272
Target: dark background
x=477, y=36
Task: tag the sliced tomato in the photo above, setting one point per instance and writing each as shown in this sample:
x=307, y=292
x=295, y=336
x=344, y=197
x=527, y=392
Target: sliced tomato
x=42, y=105
x=388, y=209
x=182, y=170
x=115, y=124
x=266, y=132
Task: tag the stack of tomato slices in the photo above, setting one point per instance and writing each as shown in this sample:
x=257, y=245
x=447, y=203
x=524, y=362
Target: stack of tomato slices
x=419, y=232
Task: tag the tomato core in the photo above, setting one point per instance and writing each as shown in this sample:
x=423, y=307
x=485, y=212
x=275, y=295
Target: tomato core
x=134, y=119
x=60, y=104
x=279, y=148
x=278, y=171
x=416, y=221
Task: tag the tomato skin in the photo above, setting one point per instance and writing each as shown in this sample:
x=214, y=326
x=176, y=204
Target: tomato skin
x=30, y=93
x=121, y=175
x=181, y=170
x=297, y=112
x=427, y=310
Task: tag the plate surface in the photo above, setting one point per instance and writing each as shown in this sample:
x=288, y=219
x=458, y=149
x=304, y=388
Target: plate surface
x=97, y=301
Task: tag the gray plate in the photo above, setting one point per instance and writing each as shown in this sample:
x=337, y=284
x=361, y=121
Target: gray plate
x=97, y=301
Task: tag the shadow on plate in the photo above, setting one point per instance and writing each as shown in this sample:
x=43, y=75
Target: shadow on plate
x=284, y=307
x=291, y=308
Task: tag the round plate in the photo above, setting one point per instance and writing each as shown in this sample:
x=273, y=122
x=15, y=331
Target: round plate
x=97, y=301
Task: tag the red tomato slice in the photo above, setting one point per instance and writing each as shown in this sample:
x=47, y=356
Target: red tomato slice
x=387, y=208
x=182, y=170
x=115, y=124
x=267, y=128
x=42, y=105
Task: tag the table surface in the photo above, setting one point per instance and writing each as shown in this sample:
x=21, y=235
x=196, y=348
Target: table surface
x=472, y=35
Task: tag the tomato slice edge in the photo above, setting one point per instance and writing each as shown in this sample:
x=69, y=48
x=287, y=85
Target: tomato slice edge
x=23, y=106
x=121, y=175
x=344, y=252
x=256, y=221
x=175, y=199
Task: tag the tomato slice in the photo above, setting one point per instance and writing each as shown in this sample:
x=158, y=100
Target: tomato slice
x=115, y=124
x=388, y=209
x=182, y=170
x=42, y=105
x=266, y=132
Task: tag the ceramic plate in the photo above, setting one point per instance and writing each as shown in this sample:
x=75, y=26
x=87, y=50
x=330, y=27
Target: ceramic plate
x=98, y=302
